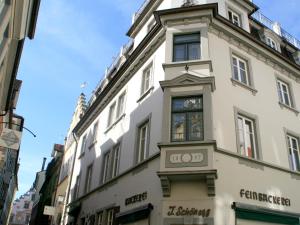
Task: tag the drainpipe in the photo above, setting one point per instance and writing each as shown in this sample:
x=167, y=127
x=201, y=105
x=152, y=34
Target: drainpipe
x=69, y=186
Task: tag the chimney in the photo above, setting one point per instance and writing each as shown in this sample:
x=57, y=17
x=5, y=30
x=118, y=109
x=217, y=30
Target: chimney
x=44, y=162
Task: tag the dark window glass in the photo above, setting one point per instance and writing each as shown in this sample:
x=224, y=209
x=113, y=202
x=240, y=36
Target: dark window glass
x=186, y=47
x=187, y=119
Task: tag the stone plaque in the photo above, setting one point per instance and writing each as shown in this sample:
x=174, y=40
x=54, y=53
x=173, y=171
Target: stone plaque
x=186, y=158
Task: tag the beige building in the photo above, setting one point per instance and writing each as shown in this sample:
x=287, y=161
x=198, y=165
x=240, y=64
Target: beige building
x=197, y=122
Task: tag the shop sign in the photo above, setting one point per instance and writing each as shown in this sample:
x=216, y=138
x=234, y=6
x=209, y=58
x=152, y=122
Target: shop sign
x=49, y=210
x=186, y=158
x=10, y=139
x=186, y=211
x=136, y=198
x=262, y=197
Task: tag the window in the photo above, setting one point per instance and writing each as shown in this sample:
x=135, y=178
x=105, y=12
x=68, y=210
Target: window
x=146, y=79
x=105, y=168
x=26, y=205
x=247, y=137
x=294, y=152
x=116, y=157
x=88, y=178
x=83, y=145
x=111, y=114
x=186, y=47
x=111, y=163
x=76, y=188
x=234, y=18
x=143, y=136
x=271, y=43
x=284, y=93
x=187, y=119
x=95, y=131
x=121, y=104
x=100, y=218
x=240, y=70
x=110, y=217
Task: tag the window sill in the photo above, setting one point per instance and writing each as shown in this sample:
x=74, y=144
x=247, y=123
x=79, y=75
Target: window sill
x=92, y=144
x=188, y=63
x=114, y=123
x=145, y=94
x=236, y=82
x=282, y=105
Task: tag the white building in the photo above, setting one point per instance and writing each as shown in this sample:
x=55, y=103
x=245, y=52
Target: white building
x=197, y=122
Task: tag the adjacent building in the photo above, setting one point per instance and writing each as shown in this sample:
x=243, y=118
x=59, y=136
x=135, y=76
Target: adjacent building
x=22, y=207
x=17, y=21
x=196, y=122
x=47, y=191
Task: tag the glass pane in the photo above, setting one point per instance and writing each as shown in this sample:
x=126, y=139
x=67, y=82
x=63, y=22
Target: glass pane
x=187, y=38
x=242, y=65
x=178, y=126
x=279, y=91
x=179, y=52
x=249, y=139
x=195, y=124
x=286, y=98
x=297, y=161
x=194, y=51
x=243, y=77
x=185, y=104
x=235, y=72
x=241, y=136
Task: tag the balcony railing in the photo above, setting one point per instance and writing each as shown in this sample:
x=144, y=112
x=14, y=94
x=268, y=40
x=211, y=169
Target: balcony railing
x=272, y=25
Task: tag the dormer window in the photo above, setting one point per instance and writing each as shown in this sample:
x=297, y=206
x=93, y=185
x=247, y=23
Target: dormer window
x=271, y=43
x=234, y=17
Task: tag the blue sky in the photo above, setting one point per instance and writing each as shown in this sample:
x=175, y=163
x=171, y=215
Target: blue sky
x=75, y=41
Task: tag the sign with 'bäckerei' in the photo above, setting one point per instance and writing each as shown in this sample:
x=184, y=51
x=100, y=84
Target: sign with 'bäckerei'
x=10, y=139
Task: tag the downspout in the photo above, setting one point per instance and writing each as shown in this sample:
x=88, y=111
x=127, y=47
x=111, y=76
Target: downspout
x=69, y=186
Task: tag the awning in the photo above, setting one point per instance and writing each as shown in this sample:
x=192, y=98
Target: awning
x=256, y=213
x=135, y=214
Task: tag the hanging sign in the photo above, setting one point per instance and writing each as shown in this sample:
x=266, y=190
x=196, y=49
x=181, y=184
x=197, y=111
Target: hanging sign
x=10, y=139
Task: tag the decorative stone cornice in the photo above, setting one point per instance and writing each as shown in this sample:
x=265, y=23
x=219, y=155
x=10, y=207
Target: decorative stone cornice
x=188, y=80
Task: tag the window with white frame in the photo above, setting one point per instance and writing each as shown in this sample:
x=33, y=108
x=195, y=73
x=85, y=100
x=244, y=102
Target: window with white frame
x=100, y=218
x=77, y=185
x=88, y=178
x=83, y=145
x=284, y=93
x=121, y=105
x=247, y=137
x=234, y=17
x=146, y=79
x=271, y=43
x=95, y=131
x=294, y=152
x=111, y=114
x=240, y=70
x=105, y=172
x=187, y=119
x=115, y=157
x=110, y=217
x=111, y=163
x=186, y=47
x=143, y=136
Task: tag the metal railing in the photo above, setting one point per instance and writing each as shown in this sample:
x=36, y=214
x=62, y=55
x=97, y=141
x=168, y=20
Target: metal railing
x=140, y=10
x=271, y=25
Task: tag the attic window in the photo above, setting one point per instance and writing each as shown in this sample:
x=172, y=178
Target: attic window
x=271, y=43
